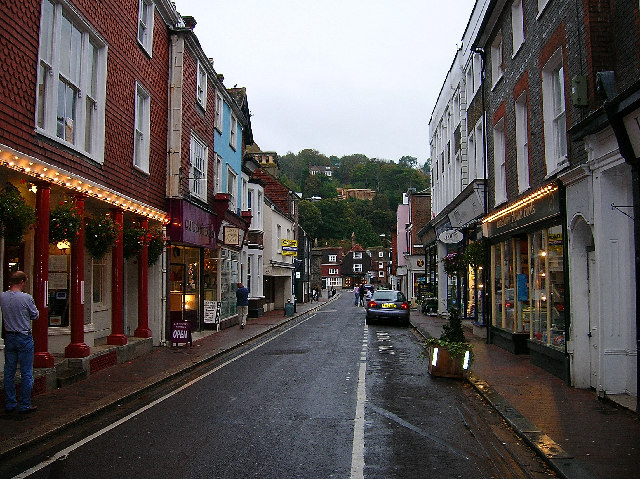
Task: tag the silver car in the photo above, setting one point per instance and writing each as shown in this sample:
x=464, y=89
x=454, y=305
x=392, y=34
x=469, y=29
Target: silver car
x=388, y=304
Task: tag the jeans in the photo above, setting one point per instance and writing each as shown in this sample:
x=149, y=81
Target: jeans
x=18, y=348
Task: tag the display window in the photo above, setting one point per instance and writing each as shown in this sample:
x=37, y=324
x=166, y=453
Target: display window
x=184, y=285
x=527, y=274
x=229, y=277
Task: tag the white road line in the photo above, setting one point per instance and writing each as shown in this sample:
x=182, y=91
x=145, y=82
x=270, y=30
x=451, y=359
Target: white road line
x=357, y=453
x=95, y=435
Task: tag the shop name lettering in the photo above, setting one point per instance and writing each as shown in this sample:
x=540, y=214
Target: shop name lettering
x=203, y=230
x=516, y=215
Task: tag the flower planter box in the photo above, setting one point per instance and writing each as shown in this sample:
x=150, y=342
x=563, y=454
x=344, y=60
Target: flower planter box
x=441, y=364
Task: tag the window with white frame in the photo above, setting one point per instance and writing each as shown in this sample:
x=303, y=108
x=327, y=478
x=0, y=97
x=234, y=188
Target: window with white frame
x=258, y=208
x=142, y=129
x=279, y=238
x=469, y=89
x=333, y=271
x=517, y=25
x=219, y=113
x=198, y=168
x=522, y=142
x=145, y=25
x=71, y=83
x=380, y=274
x=497, y=62
x=334, y=281
x=499, y=163
x=357, y=268
x=233, y=132
x=357, y=255
x=218, y=173
x=232, y=188
x=479, y=154
x=553, y=110
x=471, y=154
x=380, y=254
x=201, y=86
x=333, y=258
x=245, y=194
x=380, y=265
x=477, y=71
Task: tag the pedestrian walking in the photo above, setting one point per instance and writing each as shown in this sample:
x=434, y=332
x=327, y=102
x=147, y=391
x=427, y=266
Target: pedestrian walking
x=356, y=295
x=362, y=293
x=242, y=301
x=18, y=310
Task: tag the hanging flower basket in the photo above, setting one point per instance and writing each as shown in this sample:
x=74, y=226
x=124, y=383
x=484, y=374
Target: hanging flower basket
x=475, y=254
x=100, y=235
x=64, y=223
x=155, y=240
x=15, y=215
x=133, y=238
x=452, y=263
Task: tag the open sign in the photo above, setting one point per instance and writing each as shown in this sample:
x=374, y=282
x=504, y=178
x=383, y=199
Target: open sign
x=181, y=332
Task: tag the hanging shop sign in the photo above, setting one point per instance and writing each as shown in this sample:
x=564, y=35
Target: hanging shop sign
x=450, y=236
x=289, y=247
x=540, y=205
x=231, y=236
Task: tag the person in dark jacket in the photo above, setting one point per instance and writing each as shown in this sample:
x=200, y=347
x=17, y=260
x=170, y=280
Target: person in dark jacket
x=242, y=301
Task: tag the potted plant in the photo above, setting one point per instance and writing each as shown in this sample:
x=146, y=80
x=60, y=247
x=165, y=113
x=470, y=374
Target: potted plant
x=155, y=240
x=16, y=216
x=450, y=354
x=452, y=263
x=100, y=235
x=64, y=223
x=133, y=238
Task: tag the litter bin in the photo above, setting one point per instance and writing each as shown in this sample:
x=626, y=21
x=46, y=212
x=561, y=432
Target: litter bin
x=289, y=308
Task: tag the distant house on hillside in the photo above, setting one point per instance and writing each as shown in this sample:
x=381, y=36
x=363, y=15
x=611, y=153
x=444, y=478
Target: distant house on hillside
x=323, y=170
x=358, y=193
x=355, y=267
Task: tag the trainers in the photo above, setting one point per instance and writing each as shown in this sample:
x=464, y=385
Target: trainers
x=28, y=411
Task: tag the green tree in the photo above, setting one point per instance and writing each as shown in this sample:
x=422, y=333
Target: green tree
x=310, y=218
x=408, y=161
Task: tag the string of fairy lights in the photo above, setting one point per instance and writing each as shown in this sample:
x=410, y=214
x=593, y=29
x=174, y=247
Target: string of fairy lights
x=44, y=172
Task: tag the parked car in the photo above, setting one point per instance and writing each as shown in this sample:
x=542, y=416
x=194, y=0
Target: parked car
x=388, y=304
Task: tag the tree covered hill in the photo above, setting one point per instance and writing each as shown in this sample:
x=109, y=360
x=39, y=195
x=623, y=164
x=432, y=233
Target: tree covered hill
x=332, y=221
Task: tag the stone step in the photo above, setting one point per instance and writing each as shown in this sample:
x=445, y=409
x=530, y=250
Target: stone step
x=68, y=376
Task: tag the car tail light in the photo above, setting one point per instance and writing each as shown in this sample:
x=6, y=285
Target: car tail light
x=372, y=304
x=404, y=306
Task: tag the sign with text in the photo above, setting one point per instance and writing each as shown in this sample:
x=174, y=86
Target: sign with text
x=180, y=332
x=289, y=247
x=450, y=236
x=231, y=236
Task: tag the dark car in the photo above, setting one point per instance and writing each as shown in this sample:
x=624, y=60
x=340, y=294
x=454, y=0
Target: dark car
x=388, y=304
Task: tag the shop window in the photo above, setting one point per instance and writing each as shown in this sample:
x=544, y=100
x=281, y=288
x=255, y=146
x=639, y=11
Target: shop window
x=98, y=280
x=528, y=286
x=548, y=319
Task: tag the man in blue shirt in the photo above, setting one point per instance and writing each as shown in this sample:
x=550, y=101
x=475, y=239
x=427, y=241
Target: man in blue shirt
x=18, y=310
x=242, y=297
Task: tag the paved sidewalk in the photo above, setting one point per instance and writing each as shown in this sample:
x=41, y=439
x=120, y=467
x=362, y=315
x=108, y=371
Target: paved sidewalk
x=577, y=434
x=104, y=389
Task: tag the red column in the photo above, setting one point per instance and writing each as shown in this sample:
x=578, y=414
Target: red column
x=117, y=336
x=42, y=358
x=143, y=330
x=77, y=348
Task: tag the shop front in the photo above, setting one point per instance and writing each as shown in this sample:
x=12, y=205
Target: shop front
x=527, y=278
x=193, y=269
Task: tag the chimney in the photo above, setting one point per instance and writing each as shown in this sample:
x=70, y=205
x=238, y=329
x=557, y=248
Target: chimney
x=353, y=240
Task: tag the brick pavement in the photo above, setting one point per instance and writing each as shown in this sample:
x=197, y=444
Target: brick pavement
x=580, y=435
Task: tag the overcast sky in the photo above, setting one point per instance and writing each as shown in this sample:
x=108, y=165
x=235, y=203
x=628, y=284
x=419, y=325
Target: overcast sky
x=338, y=76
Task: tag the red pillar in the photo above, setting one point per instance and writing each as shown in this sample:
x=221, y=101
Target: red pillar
x=42, y=358
x=77, y=348
x=143, y=330
x=117, y=336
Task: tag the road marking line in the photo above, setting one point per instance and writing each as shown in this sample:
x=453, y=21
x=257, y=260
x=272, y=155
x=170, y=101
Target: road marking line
x=357, y=453
x=108, y=428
